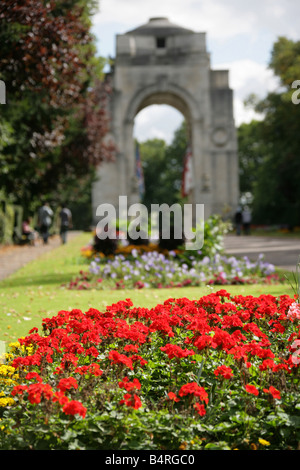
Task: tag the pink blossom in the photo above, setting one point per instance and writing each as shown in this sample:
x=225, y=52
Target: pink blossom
x=294, y=311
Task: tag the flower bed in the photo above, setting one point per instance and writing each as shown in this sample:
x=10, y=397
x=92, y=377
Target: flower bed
x=157, y=270
x=219, y=372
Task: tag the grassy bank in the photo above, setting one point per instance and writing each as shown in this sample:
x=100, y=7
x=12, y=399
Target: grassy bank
x=35, y=291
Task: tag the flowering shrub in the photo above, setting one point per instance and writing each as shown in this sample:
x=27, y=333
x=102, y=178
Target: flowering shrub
x=218, y=372
x=154, y=269
x=214, y=230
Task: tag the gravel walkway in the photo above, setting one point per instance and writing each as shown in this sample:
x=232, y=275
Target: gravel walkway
x=14, y=257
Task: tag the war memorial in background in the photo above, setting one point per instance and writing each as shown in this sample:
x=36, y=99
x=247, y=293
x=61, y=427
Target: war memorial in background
x=163, y=63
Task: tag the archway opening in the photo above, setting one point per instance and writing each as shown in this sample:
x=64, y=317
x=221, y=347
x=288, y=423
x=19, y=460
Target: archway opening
x=161, y=134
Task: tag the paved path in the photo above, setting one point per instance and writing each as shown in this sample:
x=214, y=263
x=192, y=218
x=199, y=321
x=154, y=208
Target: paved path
x=282, y=252
x=14, y=257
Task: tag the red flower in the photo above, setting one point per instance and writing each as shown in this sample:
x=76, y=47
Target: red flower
x=224, y=371
x=202, y=342
x=66, y=384
x=251, y=389
x=95, y=370
x=175, y=351
x=193, y=389
x=19, y=390
x=74, y=407
x=133, y=401
x=267, y=364
x=173, y=397
x=200, y=408
x=135, y=384
x=118, y=358
x=131, y=347
x=273, y=391
x=92, y=351
x=60, y=397
x=33, y=375
x=223, y=293
x=38, y=391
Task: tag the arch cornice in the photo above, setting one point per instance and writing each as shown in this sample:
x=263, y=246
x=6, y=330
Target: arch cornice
x=168, y=93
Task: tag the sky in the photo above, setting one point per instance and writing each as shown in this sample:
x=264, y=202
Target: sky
x=239, y=37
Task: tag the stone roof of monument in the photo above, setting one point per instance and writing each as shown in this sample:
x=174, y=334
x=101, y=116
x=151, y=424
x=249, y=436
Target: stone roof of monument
x=159, y=27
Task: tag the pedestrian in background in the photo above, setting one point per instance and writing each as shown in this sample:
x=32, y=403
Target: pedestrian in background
x=246, y=220
x=238, y=221
x=45, y=215
x=65, y=223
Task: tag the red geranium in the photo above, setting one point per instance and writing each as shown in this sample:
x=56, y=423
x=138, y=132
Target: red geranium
x=135, y=384
x=38, y=391
x=200, y=409
x=224, y=371
x=74, y=407
x=193, y=389
x=273, y=391
x=173, y=397
x=66, y=384
x=251, y=389
x=131, y=400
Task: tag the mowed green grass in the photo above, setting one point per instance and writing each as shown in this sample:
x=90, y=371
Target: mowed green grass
x=35, y=291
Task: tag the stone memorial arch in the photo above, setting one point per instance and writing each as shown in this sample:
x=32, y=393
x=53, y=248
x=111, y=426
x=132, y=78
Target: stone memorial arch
x=163, y=63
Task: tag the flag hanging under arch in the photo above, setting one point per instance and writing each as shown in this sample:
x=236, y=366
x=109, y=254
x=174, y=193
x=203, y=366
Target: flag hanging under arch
x=187, y=174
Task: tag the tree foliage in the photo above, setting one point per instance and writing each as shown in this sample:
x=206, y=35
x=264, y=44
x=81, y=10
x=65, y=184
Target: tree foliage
x=57, y=100
x=163, y=166
x=270, y=147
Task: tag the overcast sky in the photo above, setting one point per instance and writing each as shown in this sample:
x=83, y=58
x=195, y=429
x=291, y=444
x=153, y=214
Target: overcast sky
x=239, y=37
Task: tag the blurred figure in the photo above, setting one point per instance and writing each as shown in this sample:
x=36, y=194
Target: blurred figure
x=238, y=219
x=45, y=215
x=29, y=232
x=246, y=220
x=65, y=223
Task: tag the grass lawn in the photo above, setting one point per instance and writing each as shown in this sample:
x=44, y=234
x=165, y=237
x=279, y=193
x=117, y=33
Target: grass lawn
x=34, y=292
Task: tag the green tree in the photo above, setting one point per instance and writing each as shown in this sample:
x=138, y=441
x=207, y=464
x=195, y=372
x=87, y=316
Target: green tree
x=272, y=145
x=251, y=154
x=56, y=105
x=163, y=166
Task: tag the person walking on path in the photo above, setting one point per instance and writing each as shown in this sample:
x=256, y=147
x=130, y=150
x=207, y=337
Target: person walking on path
x=246, y=220
x=238, y=221
x=65, y=223
x=45, y=215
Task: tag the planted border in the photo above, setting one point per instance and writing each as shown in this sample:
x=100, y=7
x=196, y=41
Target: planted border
x=220, y=372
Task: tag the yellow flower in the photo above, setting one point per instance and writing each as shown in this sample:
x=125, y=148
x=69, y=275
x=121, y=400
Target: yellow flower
x=6, y=401
x=263, y=442
x=183, y=446
x=7, y=371
x=253, y=446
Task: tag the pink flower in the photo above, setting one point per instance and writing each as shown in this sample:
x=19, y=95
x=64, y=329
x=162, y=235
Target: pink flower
x=294, y=311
